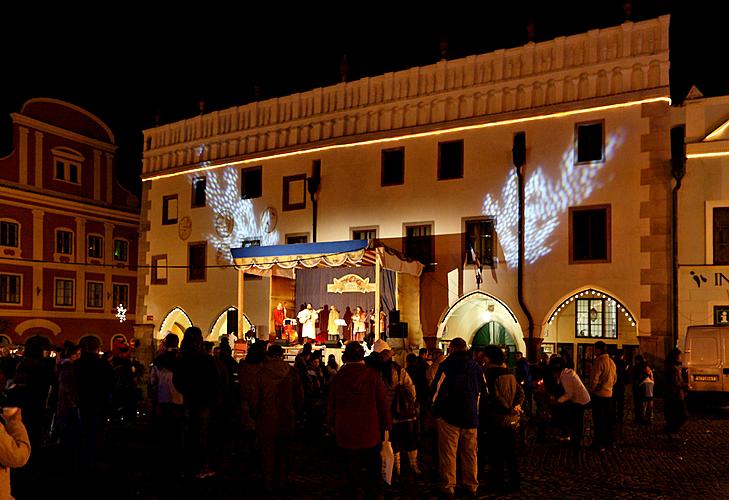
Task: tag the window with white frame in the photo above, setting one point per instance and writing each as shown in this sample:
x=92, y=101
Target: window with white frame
x=9, y=233
x=67, y=164
x=120, y=295
x=121, y=248
x=64, y=242
x=368, y=233
x=95, y=246
x=94, y=294
x=64, y=292
x=10, y=287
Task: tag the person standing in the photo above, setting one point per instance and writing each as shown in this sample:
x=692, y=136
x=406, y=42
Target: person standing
x=14, y=447
x=602, y=379
x=359, y=320
x=279, y=314
x=571, y=405
x=358, y=413
x=457, y=387
x=622, y=371
x=524, y=378
x=674, y=403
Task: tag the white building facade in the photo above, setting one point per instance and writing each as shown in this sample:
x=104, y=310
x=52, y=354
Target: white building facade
x=422, y=159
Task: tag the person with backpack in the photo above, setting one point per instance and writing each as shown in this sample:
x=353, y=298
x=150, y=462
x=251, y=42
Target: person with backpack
x=401, y=398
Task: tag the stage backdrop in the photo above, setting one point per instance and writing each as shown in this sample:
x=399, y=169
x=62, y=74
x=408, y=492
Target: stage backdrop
x=311, y=287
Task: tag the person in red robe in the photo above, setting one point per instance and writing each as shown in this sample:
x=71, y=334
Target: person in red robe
x=279, y=314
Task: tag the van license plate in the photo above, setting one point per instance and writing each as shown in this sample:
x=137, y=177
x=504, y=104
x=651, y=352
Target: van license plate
x=706, y=378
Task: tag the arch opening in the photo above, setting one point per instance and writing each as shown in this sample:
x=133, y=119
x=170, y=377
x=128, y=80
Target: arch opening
x=176, y=321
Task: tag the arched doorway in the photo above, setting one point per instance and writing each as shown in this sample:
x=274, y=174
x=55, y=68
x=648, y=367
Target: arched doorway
x=176, y=321
x=227, y=322
x=482, y=319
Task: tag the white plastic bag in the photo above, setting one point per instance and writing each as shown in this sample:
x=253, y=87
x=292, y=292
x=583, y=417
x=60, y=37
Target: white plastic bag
x=388, y=459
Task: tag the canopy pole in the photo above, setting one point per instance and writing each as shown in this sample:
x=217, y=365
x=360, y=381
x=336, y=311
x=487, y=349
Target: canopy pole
x=241, y=297
x=377, y=297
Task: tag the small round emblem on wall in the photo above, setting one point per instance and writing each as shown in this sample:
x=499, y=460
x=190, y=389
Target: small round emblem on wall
x=184, y=227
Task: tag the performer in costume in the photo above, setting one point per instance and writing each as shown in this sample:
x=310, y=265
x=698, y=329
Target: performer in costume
x=279, y=314
x=332, y=328
x=359, y=321
x=307, y=319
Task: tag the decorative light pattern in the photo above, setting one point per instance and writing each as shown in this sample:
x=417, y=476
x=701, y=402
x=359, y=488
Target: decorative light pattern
x=545, y=201
x=596, y=294
x=223, y=197
x=121, y=313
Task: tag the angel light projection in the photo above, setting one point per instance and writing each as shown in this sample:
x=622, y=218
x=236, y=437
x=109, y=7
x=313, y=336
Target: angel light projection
x=234, y=218
x=545, y=201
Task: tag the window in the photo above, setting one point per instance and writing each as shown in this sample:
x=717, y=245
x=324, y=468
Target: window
x=294, y=192
x=10, y=288
x=720, y=222
x=480, y=238
x=596, y=318
x=9, y=234
x=64, y=292
x=590, y=234
x=393, y=167
x=196, y=261
x=169, y=209
x=94, y=294
x=295, y=239
x=420, y=244
x=590, y=141
x=120, y=295
x=120, y=250
x=364, y=233
x=450, y=160
x=64, y=242
x=95, y=247
x=250, y=242
x=198, y=192
x=251, y=182
x=159, y=269
x=68, y=171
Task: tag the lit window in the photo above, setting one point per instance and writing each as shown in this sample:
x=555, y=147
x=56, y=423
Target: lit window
x=96, y=247
x=64, y=242
x=121, y=295
x=9, y=232
x=10, y=288
x=64, y=292
x=94, y=294
x=364, y=234
x=480, y=238
x=596, y=318
x=120, y=250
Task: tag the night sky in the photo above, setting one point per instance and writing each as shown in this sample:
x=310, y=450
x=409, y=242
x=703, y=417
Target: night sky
x=135, y=66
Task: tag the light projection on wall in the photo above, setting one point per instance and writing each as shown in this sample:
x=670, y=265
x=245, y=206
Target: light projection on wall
x=234, y=218
x=545, y=201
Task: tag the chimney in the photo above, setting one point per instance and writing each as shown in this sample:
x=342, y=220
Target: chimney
x=628, y=10
x=443, y=47
x=530, y=30
x=201, y=106
x=344, y=68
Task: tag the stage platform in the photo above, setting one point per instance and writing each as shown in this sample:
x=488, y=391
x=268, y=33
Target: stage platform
x=291, y=351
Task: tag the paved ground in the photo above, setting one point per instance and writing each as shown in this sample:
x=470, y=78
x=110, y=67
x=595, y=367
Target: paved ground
x=645, y=465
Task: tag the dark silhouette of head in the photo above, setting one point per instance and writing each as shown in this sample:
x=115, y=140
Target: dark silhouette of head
x=353, y=352
x=192, y=342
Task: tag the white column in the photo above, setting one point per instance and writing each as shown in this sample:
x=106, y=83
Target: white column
x=23, y=158
x=241, y=302
x=37, y=256
x=97, y=174
x=80, y=257
x=109, y=177
x=39, y=159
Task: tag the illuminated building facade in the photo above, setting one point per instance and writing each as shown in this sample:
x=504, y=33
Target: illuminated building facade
x=68, y=231
x=422, y=159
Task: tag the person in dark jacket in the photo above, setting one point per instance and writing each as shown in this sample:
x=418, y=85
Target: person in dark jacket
x=196, y=378
x=359, y=414
x=457, y=387
x=674, y=403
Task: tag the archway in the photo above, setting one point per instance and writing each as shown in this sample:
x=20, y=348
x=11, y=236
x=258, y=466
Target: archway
x=480, y=318
x=176, y=321
x=220, y=325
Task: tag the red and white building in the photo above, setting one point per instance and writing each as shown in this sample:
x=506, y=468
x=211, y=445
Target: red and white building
x=68, y=230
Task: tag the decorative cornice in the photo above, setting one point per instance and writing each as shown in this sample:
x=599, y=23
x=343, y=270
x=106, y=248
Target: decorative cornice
x=61, y=132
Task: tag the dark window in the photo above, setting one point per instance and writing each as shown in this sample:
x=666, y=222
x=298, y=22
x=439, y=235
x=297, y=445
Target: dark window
x=393, y=167
x=9, y=234
x=64, y=242
x=721, y=235
x=364, y=234
x=294, y=192
x=60, y=170
x=73, y=172
x=94, y=294
x=196, y=261
x=120, y=295
x=450, y=160
x=96, y=247
x=589, y=142
x=420, y=244
x=251, y=182
x=590, y=234
x=480, y=238
x=251, y=242
x=169, y=209
x=159, y=269
x=120, y=250
x=9, y=289
x=295, y=239
x=198, y=192
x=596, y=318
x=64, y=292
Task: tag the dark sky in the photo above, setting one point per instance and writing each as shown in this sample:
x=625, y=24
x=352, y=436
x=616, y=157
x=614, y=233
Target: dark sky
x=133, y=64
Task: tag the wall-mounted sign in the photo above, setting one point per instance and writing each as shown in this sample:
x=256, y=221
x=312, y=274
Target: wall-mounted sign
x=351, y=283
x=184, y=227
x=721, y=315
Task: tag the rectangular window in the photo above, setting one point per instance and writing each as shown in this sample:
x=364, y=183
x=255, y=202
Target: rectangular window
x=596, y=318
x=120, y=295
x=159, y=269
x=95, y=247
x=393, y=167
x=590, y=234
x=480, y=238
x=196, y=261
x=94, y=294
x=9, y=232
x=67, y=171
x=295, y=239
x=420, y=244
x=294, y=192
x=251, y=182
x=73, y=173
x=120, y=250
x=64, y=242
x=450, y=160
x=198, y=192
x=364, y=234
x=590, y=142
x=169, y=209
x=10, y=288
x=60, y=170
x=720, y=223
x=64, y=292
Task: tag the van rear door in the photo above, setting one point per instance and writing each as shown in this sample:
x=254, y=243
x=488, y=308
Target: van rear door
x=704, y=349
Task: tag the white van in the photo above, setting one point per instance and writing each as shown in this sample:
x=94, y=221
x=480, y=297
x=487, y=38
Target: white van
x=706, y=358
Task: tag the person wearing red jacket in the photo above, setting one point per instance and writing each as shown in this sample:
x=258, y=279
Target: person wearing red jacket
x=358, y=413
